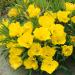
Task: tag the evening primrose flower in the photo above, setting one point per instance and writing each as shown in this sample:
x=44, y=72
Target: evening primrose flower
x=28, y=27
x=67, y=50
x=31, y=63
x=49, y=65
x=69, y=6
x=25, y=40
x=35, y=50
x=15, y=61
x=48, y=52
x=42, y=34
x=50, y=14
x=57, y=34
x=63, y=16
x=56, y=39
x=73, y=19
x=13, y=12
x=46, y=20
x=11, y=44
x=14, y=29
x=16, y=51
x=33, y=10
x=73, y=39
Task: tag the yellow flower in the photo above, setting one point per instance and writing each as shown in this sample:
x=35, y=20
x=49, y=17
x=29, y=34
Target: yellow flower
x=25, y=40
x=13, y=12
x=35, y=50
x=16, y=51
x=2, y=37
x=49, y=65
x=50, y=14
x=33, y=11
x=69, y=6
x=57, y=29
x=11, y=44
x=48, y=52
x=67, y=50
x=73, y=39
x=42, y=33
x=31, y=63
x=63, y=16
x=73, y=19
x=15, y=61
x=57, y=34
x=46, y=20
x=15, y=29
x=57, y=39
x=28, y=27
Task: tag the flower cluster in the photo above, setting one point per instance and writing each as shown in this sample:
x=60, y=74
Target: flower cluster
x=35, y=41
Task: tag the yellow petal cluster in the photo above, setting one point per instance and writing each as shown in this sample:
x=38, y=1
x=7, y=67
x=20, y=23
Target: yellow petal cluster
x=48, y=52
x=35, y=50
x=13, y=12
x=33, y=11
x=28, y=27
x=25, y=40
x=31, y=63
x=57, y=34
x=14, y=29
x=63, y=16
x=15, y=61
x=67, y=50
x=73, y=19
x=42, y=34
x=49, y=65
x=69, y=6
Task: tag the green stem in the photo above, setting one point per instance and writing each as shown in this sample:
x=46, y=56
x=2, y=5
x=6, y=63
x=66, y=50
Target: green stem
x=30, y=72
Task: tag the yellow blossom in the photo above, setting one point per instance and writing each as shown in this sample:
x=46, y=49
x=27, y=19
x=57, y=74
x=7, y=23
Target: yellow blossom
x=67, y=50
x=11, y=44
x=56, y=39
x=16, y=51
x=33, y=11
x=25, y=40
x=50, y=14
x=58, y=33
x=49, y=65
x=73, y=19
x=2, y=37
x=35, y=50
x=63, y=16
x=57, y=28
x=73, y=39
x=42, y=33
x=69, y=6
x=46, y=20
x=48, y=52
x=13, y=12
x=15, y=29
x=28, y=27
x=31, y=63
x=15, y=62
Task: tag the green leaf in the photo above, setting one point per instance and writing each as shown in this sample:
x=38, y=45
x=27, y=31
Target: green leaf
x=65, y=70
x=57, y=5
x=4, y=30
x=42, y=3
